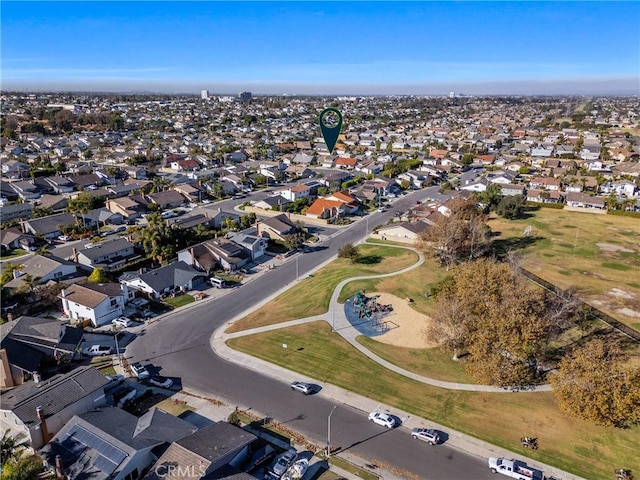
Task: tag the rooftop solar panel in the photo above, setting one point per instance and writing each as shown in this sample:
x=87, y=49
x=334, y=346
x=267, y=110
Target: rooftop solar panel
x=105, y=449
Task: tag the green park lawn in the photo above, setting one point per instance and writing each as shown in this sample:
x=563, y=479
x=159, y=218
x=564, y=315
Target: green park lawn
x=311, y=296
x=499, y=418
x=599, y=255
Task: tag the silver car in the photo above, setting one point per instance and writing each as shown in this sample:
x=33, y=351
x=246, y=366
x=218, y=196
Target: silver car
x=284, y=462
x=303, y=387
x=426, y=434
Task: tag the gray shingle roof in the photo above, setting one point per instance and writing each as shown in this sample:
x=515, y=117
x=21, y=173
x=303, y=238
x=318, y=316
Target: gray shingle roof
x=216, y=440
x=106, y=248
x=54, y=395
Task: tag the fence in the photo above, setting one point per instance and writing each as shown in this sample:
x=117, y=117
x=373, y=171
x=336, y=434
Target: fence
x=592, y=312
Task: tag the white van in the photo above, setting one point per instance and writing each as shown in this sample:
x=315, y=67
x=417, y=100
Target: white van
x=217, y=282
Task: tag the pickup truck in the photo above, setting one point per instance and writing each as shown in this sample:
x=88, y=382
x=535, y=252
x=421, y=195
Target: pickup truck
x=97, y=350
x=514, y=469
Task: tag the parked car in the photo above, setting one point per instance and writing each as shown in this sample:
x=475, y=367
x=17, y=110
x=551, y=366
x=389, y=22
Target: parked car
x=139, y=371
x=283, y=462
x=426, y=434
x=115, y=379
x=160, y=381
x=383, y=419
x=64, y=238
x=98, y=350
x=217, y=282
x=303, y=387
x=123, y=322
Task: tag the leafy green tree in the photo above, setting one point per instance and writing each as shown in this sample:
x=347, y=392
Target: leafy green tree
x=491, y=196
x=467, y=158
x=597, y=383
x=25, y=467
x=10, y=445
x=350, y=251
x=511, y=207
x=98, y=276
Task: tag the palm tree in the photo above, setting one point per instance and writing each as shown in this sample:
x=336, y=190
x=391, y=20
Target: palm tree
x=10, y=446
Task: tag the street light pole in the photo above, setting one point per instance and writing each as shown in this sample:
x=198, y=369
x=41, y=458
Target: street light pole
x=329, y=432
x=297, y=276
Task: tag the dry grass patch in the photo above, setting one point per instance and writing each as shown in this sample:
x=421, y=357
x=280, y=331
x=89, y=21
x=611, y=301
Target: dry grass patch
x=591, y=253
x=500, y=418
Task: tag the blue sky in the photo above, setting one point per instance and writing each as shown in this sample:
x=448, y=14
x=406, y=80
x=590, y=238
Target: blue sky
x=323, y=47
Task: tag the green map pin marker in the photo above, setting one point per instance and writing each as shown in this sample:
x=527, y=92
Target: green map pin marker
x=330, y=124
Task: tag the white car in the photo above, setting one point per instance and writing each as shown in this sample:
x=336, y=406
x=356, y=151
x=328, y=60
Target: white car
x=302, y=387
x=383, y=419
x=123, y=322
x=139, y=371
x=98, y=350
x=64, y=238
x=160, y=381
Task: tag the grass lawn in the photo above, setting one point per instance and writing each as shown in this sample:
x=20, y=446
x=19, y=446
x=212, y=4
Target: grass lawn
x=430, y=362
x=316, y=291
x=564, y=250
x=500, y=419
x=174, y=407
x=179, y=301
x=18, y=252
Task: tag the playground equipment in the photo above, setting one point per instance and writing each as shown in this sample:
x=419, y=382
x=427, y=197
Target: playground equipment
x=368, y=307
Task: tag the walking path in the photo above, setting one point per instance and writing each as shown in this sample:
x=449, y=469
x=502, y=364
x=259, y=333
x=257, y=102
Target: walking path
x=341, y=325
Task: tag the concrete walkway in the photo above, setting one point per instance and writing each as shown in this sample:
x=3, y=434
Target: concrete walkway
x=341, y=324
x=337, y=317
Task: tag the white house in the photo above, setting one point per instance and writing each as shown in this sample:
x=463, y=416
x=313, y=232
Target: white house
x=99, y=303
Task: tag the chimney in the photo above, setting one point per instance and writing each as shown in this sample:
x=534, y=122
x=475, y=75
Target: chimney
x=43, y=424
x=257, y=228
x=59, y=471
x=75, y=255
x=63, y=293
x=193, y=257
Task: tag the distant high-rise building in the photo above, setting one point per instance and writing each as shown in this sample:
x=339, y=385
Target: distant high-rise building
x=245, y=96
x=204, y=94
x=452, y=94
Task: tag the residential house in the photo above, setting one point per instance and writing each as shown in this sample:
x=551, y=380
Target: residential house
x=187, y=165
x=293, y=172
x=21, y=211
x=167, y=199
x=14, y=169
x=109, y=256
x=478, y=185
x=41, y=268
x=303, y=159
x=404, y=232
x=218, y=217
x=26, y=190
x=190, y=221
x=112, y=444
x=545, y=183
x=346, y=163
x=511, y=189
x=580, y=200
x=12, y=238
x=193, y=192
x=86, y=181
x=256, y=245
x=39, y=410
x=177, y=276
x=414, y=177
x=543, y=196
x=350, y=202
x=276, y=228
x=56, y=203
x=50, y=227
x=212, y=450
x=326, y=209
x=295, y=192
x=130, y=207
x=26, y=343
x=59, y=185
x=227, y=254
x=102, y=217
x=277, y=202
x=622, y=188
x=98, y=302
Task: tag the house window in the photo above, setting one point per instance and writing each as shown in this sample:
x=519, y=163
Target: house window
x=114, y=302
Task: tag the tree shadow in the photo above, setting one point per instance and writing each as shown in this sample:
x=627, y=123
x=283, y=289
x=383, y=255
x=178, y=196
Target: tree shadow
x=501, y=247
x=369, y=259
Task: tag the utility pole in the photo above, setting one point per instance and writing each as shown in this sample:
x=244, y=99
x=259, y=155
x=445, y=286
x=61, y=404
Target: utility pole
x=329, y=432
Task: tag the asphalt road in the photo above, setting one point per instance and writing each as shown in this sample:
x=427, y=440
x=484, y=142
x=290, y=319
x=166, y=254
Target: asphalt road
x=178, y=346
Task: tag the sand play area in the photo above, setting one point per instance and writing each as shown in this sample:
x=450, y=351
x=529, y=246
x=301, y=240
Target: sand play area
x=405, y=324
